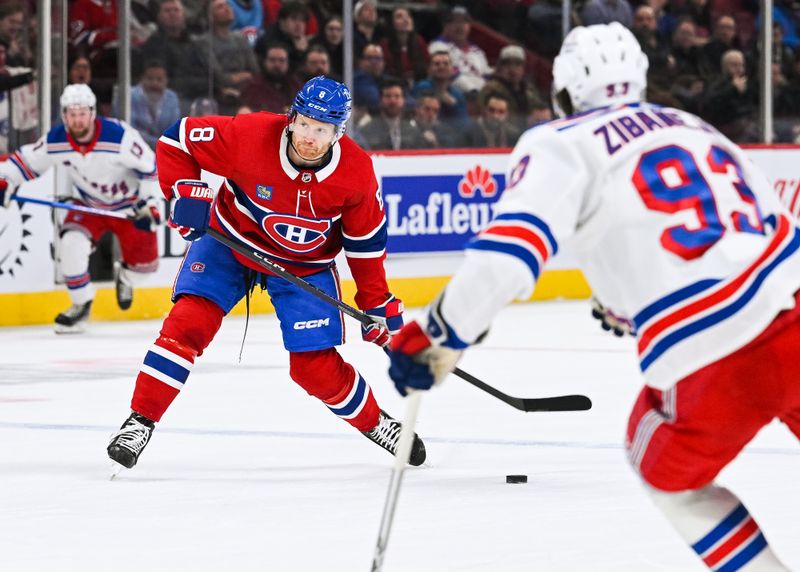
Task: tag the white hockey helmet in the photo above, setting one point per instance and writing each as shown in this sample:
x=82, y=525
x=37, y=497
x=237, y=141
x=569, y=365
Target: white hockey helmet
x=78, y=95
x=598, y=66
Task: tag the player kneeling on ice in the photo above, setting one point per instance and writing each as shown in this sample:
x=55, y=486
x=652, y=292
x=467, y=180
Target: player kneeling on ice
x=296, y=191
x=683, y=237
x=111, y=168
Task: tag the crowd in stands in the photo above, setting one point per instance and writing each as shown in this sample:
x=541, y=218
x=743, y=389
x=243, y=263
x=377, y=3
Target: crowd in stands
x=428, y=74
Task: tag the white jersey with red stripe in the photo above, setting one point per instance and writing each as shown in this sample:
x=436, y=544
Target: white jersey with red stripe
x=673, y=226
x=112, y=171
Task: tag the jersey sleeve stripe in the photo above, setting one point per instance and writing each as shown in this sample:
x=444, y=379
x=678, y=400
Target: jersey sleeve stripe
x=521, y=234
x=370, y=234
x=534, y=221
x=373, y=254
x=23, y=167
x=372, y=244
x=723, y=302
x=517, y=251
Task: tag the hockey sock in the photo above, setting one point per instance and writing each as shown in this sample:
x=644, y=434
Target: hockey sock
x=325, y=375
x=187, y=331
x=73, y=260
x=719, y=529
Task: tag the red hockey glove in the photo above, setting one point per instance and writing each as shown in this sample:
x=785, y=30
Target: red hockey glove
x=191, y=210
x=7, y=192
x=146, y=215
x=388, y=321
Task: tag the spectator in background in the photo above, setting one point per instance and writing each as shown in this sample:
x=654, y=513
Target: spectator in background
x=468, y=59
x=732, y=100
x=607, y=11
x=782, y=54
x=291, y=30
x=509, y=79
x=154, y=107
x=367, y=29
x=332, y=39
x=236, y=59
x=9, y=78
x=543, y=28
x=368, y=79
x=405, y=50
x=389, y=129
x=12, y=22
x=248, y=18
x=440, y=83
x=80, y=70
x=435, y=134
x=699, y=11
x=685, y=51
x=315, y=64
x=654, y=45
x=493, y=128
x=203, y=106
x=724, y=39
x=188, y=66
x=274, y=88
x=539, y=114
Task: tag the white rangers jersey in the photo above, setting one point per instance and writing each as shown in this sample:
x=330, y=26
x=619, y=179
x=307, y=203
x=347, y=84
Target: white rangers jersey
x=111, y=172
x=673, y=225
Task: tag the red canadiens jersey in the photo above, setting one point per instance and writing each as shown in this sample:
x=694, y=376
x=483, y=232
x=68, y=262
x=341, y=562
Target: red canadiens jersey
x=300, y=218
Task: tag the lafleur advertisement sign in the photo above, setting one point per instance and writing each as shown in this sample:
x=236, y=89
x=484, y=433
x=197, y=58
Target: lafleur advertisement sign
x=439, y=213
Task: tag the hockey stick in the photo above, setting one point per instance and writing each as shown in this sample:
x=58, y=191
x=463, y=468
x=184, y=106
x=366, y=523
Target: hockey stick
x=393, y=493
x=530, y=404
x=71, y=207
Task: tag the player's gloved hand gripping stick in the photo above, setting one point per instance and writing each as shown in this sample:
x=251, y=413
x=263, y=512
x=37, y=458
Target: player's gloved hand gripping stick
x=559, y=403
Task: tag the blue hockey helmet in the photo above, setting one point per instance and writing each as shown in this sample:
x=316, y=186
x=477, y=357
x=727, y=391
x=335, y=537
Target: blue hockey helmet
x=325, y=100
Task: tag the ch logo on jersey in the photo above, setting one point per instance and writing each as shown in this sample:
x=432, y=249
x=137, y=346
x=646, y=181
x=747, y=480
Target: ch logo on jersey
x=477, y=179
x=198, y=267
x=295, y=233
x=264, y=192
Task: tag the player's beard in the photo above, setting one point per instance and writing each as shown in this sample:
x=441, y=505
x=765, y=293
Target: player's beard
x=80, y=134
x=310, y=152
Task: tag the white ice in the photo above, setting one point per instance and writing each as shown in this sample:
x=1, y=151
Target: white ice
x=247, y=472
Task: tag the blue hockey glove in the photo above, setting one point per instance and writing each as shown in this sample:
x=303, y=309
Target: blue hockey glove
x=7, y=192
x=146, y=215
x=191, y=211
x=388, y=321
x=416, y=363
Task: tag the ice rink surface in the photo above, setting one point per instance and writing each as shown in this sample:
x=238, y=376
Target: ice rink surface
x=247, y=472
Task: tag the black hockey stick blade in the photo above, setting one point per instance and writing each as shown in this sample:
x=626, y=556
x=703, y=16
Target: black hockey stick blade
x=530, y=404
x=559, y=403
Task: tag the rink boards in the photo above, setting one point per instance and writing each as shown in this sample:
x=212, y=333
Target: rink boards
x=434, y=204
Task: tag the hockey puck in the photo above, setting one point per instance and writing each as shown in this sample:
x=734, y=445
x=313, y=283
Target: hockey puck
x=513, y=479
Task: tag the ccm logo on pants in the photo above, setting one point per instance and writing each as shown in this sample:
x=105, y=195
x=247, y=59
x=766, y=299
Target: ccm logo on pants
x=310, y=324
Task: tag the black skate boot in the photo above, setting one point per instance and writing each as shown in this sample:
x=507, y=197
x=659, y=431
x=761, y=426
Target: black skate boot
x=128, y=443
x=124, y=290
x=387, y=434
x=73, y=319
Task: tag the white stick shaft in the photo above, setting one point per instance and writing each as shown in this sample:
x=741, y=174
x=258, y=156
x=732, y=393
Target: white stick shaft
x=400, y=462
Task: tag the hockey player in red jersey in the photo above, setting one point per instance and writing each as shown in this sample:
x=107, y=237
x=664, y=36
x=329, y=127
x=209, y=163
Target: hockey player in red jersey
x=297, y=191
x=679, y=233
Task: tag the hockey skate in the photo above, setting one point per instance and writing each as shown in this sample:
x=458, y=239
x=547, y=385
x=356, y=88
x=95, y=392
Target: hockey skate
x=73, y=320
x=124, y=290
x=128, y=443
x=387, y=434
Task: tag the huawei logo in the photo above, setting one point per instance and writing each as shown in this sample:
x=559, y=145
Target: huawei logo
x=477, y=179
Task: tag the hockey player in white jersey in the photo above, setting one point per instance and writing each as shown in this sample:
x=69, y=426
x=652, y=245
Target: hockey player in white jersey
x=682, y=237
x=111, y=168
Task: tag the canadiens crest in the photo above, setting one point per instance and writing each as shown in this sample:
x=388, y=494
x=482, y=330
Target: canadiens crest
x=296, y=234
x=264, y=192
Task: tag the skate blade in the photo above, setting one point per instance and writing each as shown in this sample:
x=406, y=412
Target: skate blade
x=76, y=329
x=116, y=469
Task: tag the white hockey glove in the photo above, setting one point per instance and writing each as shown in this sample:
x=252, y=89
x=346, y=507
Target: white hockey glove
x=146, y=215
x=612, y=322
x=7, y=192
